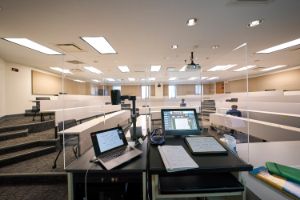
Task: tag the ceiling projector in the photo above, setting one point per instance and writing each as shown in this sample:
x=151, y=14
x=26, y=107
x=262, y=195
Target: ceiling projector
x=192, y=66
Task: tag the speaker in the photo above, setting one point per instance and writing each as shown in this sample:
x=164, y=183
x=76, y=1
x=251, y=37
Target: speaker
x=115, y=96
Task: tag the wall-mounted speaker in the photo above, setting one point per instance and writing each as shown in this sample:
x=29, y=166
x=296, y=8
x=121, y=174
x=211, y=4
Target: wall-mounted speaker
x=115, y=96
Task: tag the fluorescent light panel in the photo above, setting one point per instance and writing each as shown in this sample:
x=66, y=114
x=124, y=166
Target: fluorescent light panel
x=244, y=68
x=110, y=79
x=79, y=81
x=155, y=68
x=213, y=78
x=192, y=78
x=172, y=78
x=242, y=45
x=124, y=68
x=221, y=67
x=281, y=46
x=93, y=69
x=151, y=79
x=131, y=79
x=100, y=44
x=32, y=45
x=95, y=80
x=183, y=68
x=203, y=77
x=61, y=70
x=272, y=68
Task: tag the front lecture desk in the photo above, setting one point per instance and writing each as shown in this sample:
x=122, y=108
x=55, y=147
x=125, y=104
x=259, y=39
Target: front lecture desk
x=124, y=182
x=212, y=178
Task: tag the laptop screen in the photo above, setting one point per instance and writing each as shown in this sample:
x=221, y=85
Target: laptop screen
x=106, y=140
x=180, y=121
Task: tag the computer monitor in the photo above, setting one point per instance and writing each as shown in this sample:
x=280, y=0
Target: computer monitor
x=180, y=122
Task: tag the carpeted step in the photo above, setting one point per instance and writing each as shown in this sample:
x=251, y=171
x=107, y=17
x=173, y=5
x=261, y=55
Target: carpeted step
x=13, y=134
x=27, y=145
x=36, y=178
x=33, y=152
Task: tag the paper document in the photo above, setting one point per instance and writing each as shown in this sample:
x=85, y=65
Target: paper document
x=175, y=158
x=204, y=144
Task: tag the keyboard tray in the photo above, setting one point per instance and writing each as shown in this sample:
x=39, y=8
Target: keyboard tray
x=199, y=183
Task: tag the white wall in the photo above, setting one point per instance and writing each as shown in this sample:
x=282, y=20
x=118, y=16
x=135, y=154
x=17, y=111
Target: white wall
x=2, y=88
x=17, y=89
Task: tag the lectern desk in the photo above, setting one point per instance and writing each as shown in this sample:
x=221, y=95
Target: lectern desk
x=133, y=174
x=210, y=168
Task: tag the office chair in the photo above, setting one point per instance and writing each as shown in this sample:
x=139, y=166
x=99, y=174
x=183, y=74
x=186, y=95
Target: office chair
x=35, y=110
x=70, y=140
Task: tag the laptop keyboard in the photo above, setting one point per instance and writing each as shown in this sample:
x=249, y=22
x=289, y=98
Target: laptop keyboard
x=114, y=154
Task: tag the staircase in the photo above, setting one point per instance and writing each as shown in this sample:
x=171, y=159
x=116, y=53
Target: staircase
x=23, y=141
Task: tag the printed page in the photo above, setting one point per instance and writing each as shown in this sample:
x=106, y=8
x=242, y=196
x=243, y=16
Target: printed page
x=175, y=158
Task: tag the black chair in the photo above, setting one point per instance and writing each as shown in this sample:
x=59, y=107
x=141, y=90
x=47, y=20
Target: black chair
x=35, y=110
x=70, y=140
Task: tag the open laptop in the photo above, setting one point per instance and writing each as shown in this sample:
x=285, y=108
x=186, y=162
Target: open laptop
x=111, y=147
x=180, y=122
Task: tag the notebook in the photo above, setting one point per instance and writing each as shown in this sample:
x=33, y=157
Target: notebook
x=111, y=148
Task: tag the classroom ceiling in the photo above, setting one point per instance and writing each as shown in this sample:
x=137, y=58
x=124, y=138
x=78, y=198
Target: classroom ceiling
x=143, y=31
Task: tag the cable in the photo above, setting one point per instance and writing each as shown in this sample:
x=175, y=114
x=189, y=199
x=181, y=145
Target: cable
x=85, y=183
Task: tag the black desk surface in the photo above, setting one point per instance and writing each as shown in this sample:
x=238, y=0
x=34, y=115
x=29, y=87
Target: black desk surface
x=207, y=163
x=136, y=165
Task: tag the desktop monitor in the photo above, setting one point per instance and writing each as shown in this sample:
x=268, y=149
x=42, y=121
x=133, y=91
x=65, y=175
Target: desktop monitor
x=180, y=122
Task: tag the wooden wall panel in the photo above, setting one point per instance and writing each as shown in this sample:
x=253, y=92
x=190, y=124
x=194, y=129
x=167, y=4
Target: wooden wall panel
x=188, y=89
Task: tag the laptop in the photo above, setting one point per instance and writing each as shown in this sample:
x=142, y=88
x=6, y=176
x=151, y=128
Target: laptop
x=111, y=147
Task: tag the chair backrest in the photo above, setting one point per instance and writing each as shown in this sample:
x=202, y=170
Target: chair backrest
x=66, y=124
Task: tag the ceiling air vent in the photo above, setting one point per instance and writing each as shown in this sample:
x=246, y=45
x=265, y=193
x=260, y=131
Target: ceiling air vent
x=69, y=48
x=76, y=70
x=75, y=62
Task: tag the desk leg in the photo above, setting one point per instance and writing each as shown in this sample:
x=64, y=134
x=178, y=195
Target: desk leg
x=144, y=186
x=70, y=187
x=154, y=184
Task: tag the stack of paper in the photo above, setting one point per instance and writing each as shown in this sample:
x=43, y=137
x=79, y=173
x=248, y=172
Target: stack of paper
x=175, y=158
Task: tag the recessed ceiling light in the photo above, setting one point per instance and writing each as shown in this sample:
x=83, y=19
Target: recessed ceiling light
x=203, y=77
x=191, y=22
x=131, y=79
x=93, y=69
x=213, y=78
x=79, y=81
x=192, y=78
x=174, y=46
x=155, y=68
x=100, y=44
x=281, y=46
x=64, y=71
x=274, y=67
x=32, y=45
x=123, y=68
x=172, y=78
x=142, y=79
x=215, y=46
x=95, y=80
x=151, y=79
x=221, y=67
x=255, y=23
x=244, y=68
x=110, y=79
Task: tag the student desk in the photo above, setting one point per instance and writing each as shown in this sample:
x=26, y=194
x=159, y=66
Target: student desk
x=133, y=173
x=209, y=166
x=285, y=152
